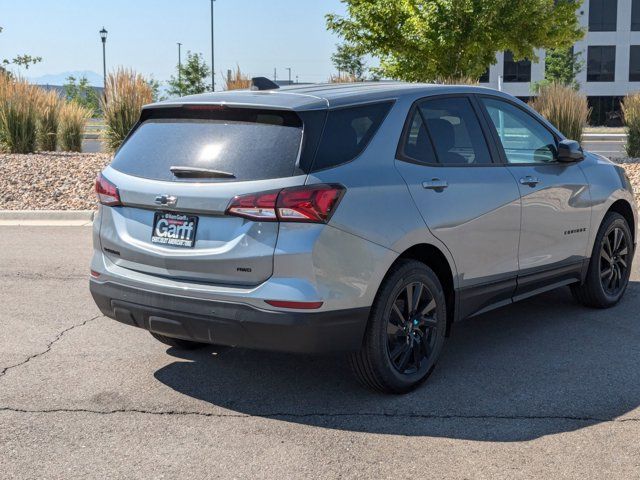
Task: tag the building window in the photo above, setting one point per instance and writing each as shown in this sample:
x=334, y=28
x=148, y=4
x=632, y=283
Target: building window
x=605, y=111
x=634, y=63
x=603, y=15
x=635, y=15
x=516, y=71
x=484, y=78
x=601, y=64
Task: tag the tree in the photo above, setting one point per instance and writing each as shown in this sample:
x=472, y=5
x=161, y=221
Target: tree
x=421, y=40
x=562, y=66
x=191, y=78
x=81, y=92
x=154, y=85
x=20, y=60
x=348, y=60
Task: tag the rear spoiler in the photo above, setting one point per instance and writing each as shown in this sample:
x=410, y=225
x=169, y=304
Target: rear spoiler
x=263, y=83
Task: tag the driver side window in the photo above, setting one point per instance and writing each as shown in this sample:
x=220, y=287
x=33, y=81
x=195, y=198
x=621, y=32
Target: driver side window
x=524, y=139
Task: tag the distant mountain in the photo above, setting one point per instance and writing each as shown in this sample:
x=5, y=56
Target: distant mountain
x=95, y=79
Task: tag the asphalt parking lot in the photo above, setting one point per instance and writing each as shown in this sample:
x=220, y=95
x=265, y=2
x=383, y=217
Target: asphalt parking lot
x=541, y=389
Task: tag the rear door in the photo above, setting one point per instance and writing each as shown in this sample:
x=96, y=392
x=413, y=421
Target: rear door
x=469, y=202
x=185, y=165
x=556, y=212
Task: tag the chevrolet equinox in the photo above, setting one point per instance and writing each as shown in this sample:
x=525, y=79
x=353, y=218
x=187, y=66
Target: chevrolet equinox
x=363, y=218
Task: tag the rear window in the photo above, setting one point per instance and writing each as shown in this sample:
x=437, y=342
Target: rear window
x=347, y=132
x=251, y=144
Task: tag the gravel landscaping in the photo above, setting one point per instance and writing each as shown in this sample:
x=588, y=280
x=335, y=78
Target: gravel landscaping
x=65, y=181
x=50, y=181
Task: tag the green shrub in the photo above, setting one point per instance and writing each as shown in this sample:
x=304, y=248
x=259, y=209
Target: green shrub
x=73, y=118
x=18, y=115
x=563, y=106
x=125, y=94
x=631, y=115
x=48, y=119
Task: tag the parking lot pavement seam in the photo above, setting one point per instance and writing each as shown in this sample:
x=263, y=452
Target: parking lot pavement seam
x=49, y=345
x=307, y=415
x=36, y=276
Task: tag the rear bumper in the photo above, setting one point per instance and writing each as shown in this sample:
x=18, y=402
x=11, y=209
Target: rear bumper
x=232, y=324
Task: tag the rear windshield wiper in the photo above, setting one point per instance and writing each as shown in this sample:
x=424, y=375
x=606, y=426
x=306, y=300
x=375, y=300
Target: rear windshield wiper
x=195, y=172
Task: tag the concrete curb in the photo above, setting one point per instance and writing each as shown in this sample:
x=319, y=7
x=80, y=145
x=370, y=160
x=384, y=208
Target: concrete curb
x=47, y=217
x=604, y=137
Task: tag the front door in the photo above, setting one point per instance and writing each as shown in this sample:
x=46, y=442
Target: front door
x=468, y=202
x=556, y=211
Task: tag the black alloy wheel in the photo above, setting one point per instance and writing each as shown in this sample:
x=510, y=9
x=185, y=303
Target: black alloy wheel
x=412, y=329
x=614, y=261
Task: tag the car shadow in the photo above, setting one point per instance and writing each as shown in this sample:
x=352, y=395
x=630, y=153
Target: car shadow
x=542, y=366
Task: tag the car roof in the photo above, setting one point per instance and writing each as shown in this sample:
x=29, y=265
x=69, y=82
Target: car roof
x=320, y=96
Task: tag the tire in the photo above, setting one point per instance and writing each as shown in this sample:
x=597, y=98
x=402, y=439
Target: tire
x=607, y=281
x=178, y=342
x=393, y=328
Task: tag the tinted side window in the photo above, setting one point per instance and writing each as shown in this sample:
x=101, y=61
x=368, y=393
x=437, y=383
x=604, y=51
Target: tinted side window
x=347, y=132
x=524, y=139
x=455, y=131
x=417, y=145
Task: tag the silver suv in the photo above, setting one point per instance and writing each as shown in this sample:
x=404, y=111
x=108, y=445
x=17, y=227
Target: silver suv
x=363, y=218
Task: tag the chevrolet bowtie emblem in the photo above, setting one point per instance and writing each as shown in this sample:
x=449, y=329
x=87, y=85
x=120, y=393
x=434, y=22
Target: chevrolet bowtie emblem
x=166, y=200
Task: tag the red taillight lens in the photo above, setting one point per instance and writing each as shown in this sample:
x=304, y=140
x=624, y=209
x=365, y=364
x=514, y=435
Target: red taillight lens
x=107, y=192
x=298, y=305
x=257, y=206
x=311, y=203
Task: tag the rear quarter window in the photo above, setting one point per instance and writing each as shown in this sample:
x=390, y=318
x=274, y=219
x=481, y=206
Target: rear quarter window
x=347, y=132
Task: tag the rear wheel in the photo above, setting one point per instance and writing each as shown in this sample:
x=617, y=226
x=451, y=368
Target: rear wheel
x=406, y=330
x=610, y=264
x=178, y=342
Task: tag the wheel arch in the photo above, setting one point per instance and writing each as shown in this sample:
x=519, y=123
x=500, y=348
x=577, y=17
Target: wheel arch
x=437, y=261
x=625, y=209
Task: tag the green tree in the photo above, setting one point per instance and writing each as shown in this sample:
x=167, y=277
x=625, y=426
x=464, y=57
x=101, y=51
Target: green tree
x=562, y=66
x=191, y=78
x=348, y=60
x=81, y=92
x=154, y=85
x=20, y=60
x=421, y=40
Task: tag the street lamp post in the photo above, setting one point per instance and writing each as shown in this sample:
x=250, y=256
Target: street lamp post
x=289, y=68
x=213, y=68
x=103, y=36
x=179, y=65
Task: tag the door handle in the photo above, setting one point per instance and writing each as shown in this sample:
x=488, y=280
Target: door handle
x=435, y=184
x=529, y=180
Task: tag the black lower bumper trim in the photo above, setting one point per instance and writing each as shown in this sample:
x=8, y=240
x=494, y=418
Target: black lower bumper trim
x=232, y=324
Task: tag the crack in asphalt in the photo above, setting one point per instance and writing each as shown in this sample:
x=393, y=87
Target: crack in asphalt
x=57, y=338
x=321, y=415
x=44, y=276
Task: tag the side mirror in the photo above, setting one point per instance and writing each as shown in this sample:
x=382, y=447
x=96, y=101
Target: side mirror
x=569, y=151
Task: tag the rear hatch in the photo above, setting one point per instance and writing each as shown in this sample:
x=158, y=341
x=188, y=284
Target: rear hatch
x=177, y=173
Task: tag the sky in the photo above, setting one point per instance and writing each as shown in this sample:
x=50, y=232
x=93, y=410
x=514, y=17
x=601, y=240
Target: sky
x=257, y=35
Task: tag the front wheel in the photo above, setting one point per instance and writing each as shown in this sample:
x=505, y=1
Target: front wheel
x=610, y=264
x=406, y=330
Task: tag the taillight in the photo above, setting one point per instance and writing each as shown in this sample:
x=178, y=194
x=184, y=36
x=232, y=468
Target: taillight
x=107, y=192
x=310, y=203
